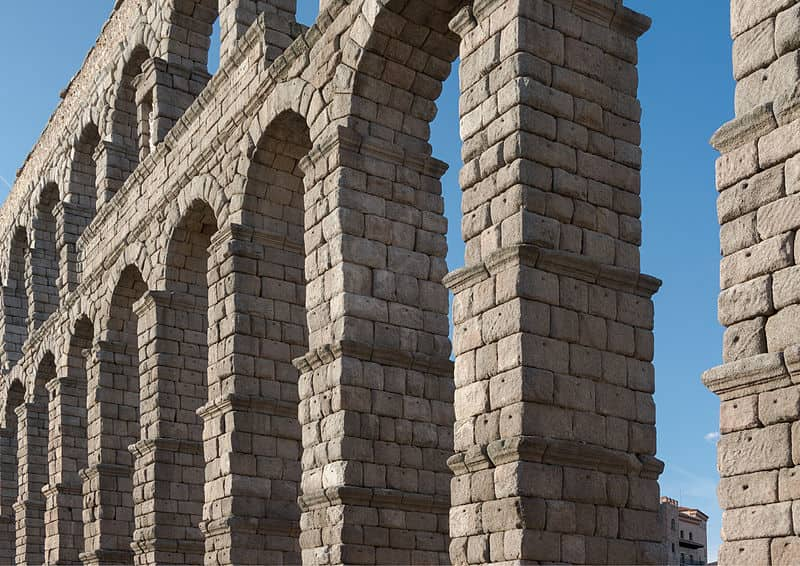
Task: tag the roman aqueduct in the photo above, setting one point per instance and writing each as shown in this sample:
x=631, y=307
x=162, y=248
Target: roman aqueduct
x=224, y=326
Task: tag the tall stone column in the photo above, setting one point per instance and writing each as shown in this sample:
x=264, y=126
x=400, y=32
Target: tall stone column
x=555, y=435
x=42, y=290
x=107, y=480
x=66, y=456
x=114, y=163
x=251, y=434
x=71, y=220
x=168, y=481
x=163, y=93
x=376, y=385
x=8, y=493
x=13, y=323
x=29, y=507
x=758, y=178
x=236, y=17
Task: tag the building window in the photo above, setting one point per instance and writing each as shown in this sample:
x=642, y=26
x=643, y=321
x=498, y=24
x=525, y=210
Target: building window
x=682, y=534
x=691, y=535
x=673, y=548
x=673, y=524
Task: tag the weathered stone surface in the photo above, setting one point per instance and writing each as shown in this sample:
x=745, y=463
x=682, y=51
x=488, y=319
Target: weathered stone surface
x=739, y=414
x=748, y=490
x=746, y=301
x=744, y=339
x=750, y=195
x=782, y=328
x=746, y=14
x=766, y=84
x=754, y=49
x=754, y=450
x=768, y=256
x=773, y=520
x=243, y=276
x=754, y=551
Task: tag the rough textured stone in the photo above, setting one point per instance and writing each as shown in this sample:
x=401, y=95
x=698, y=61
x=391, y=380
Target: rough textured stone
x=224, y=318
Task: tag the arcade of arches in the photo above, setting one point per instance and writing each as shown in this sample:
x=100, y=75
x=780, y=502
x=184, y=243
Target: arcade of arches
x=225, y=321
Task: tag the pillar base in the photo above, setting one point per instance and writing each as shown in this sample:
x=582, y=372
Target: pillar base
x=104, y=537
x=105, y=557
x=162, y=534
x=29, y=532
x=64, y=535
x=251, y=541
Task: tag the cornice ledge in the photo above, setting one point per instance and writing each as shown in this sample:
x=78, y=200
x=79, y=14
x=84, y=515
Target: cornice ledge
x=346, y=139
x=555, y=452
x=154, y=445
x=554, y=261
x=417, y=361
x=280, y=527
x=379, y=497
x=745, y=128
x=612, y=14
x=232, y=401
x=757, y=374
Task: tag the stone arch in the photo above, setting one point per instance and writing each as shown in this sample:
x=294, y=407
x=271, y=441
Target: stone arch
x=16, y=300
x=44, y=276
x=114, y=418
x=33, y=447
x=82, y=189
x=173, y=393
x=400, y=67
x=136, y=255
x=69, y=447
x=9, y=484
x=261, y=254
x=129, y=137
x=196, y=19
x=203, y=188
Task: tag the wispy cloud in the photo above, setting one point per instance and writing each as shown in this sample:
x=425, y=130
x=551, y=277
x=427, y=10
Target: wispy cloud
x=6, y=182
x=712, y=437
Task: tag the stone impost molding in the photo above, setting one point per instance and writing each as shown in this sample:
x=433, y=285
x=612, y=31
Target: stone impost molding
x=252, y=525
x=756, y=374
x=558, y=262
x=148, y=446
x=555, y=452
x=237, y=402
x=348, y=140
x=380, y=498
x=417, y=361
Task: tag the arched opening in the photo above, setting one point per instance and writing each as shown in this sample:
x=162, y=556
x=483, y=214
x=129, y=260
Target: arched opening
x=187, y=276
x=9, y=485
x=131, y=124
x=33, y=469
x=44, y=259
x=68, y=459
x=8, y=473
x=15, y=298
x=121, y=402
x=273, y=205
x=200, y=18
x=307, y=12
x=264, y=324
x=82, y=193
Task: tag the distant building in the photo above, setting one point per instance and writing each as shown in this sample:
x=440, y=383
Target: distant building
x=685, y=533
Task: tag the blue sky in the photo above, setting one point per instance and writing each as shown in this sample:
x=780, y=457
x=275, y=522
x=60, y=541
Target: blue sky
x=686, y=91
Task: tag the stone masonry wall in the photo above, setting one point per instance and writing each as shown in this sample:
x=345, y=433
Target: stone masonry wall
x=759, y=303
x=224, y=319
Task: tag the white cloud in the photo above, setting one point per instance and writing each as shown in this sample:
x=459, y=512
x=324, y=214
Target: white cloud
x=712, y=437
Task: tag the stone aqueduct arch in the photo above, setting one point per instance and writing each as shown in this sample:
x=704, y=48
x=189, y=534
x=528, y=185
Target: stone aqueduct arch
x=225, y=308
